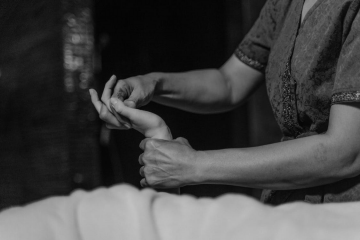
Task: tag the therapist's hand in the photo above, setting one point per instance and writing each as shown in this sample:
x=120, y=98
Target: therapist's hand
x=167, y=164
x=147, y=123
x=136, y=91
x=103, y=107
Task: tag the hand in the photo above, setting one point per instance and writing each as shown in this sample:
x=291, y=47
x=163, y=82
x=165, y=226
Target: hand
x=136, y=91
x=113, y=120
x=147, y=123
x=167, y=164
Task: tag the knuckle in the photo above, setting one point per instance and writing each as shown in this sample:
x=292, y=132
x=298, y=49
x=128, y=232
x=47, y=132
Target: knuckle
x=148, y=144
x=121, y=94
x=136, y=78
x=119, y=84
x=146, y=158
x=143, y=143
x=120, y=81
x=183, y=140
x=147, y=171
x=103, y=115
x=141, y=161
x=152, y=144
x=143, y=182
x=150, y=180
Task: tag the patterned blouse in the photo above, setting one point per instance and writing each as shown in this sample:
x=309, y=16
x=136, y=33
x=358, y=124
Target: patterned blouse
x=309, y=66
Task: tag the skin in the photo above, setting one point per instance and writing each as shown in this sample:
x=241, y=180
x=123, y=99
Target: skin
x=300, y=163
x=147, y=123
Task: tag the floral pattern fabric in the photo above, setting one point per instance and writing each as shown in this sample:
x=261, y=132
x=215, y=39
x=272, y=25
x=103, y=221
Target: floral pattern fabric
x=309, y=65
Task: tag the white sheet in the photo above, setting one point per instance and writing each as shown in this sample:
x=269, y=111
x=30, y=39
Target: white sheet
x=123, y=212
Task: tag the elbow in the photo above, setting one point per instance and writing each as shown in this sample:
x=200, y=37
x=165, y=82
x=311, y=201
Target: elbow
x=347, y=161
x=350, y=166
x=335, y=160
x=231, y=100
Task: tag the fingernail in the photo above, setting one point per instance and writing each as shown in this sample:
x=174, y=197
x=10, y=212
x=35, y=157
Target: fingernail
x=127, y=125
x=113, y=101
x=130, y=103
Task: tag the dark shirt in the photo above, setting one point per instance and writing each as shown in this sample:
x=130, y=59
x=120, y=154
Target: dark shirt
x=309, y=66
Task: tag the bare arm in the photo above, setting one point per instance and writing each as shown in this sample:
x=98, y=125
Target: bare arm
x=299, y=163
x=200, y=91
x=210, y=90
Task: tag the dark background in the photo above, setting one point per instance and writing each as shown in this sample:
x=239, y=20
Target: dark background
x=51, y=141
x=172, y=36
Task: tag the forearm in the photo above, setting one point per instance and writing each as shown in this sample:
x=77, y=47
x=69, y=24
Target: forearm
x=210, y=90
x=299, y=163
x=200, y=91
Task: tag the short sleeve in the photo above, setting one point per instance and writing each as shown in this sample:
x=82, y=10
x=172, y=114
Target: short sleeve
x=255, y=48
x=347, y=78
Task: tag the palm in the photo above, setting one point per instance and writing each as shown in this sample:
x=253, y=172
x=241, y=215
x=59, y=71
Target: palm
x=147, y=123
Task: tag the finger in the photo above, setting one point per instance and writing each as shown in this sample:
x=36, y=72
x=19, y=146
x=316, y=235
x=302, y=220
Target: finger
x=144, y=183
x=108, y=90
x=109, y=126
x=127, y=112
x=133, y=100
x=141, y=171
x=143, y=143
x=183, y=141
x=122, y=119
x=104, y=114
x=127, y=93
x=141, y=161
x=121, y=90
x=95, y=100
x=131, y=104
x=108, y=117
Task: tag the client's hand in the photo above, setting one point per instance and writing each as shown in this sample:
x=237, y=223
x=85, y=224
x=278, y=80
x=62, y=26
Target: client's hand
x=113, y=121
x=149, y=124
x=114, y=112
x=153, y=127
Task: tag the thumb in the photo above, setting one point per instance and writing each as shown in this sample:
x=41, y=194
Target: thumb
x=122, y=109
x=183, y=141
x=130, y=103
x=134, y=100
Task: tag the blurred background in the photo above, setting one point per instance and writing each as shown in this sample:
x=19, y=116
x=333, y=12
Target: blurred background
x=53, y=51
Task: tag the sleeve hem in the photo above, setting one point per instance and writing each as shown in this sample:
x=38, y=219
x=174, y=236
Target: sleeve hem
x=248, y=61
x=346, y=96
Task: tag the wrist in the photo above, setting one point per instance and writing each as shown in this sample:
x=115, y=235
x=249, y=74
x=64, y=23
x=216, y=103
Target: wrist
x=199, y=173
x=158, y=79
x=163, y=132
